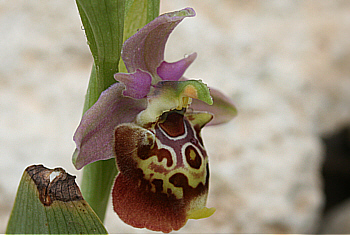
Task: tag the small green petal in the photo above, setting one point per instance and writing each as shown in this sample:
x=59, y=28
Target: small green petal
x=199, y=119
x=170, y=95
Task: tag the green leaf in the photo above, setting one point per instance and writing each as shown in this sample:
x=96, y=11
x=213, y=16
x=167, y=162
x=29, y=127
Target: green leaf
x=48, y=201
x=152, y=9
x=138, y=14
x=103, y=23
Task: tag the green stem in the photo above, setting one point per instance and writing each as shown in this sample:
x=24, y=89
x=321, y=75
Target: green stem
x=104, y=22
x=98, y=178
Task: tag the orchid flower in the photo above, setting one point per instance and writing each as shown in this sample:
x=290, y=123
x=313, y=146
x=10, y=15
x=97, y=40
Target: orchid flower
x=150, y=122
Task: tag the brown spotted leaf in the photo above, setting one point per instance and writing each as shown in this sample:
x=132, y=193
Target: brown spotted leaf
x=48, y=201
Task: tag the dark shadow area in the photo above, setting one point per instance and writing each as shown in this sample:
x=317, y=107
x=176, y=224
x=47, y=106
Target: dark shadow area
x=336, y=168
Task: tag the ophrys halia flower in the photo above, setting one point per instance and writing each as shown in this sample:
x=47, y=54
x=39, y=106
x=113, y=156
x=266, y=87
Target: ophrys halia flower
x=150, y=121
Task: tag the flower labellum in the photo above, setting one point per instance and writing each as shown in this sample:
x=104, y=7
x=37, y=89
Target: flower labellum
x=150, y=121
x=164, y=170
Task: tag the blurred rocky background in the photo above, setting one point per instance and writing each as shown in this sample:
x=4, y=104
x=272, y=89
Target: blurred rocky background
x=282, y=166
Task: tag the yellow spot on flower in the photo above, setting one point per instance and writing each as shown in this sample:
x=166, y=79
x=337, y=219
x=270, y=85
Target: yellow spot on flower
x=191, y=91
x=192, y=155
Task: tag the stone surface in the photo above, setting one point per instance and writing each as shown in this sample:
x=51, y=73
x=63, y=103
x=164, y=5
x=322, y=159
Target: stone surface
x=285, y=64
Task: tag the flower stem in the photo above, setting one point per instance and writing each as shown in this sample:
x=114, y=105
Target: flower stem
x=104, y=22
x=98, y=178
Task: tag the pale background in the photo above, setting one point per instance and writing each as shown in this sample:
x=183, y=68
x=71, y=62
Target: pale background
x=285, y=63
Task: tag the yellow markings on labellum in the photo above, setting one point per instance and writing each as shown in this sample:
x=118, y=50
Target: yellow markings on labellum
x=170, y=156
x=153, y=169
x=149, y=174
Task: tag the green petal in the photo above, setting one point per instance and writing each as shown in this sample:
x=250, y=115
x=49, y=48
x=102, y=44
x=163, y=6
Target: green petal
x=170, y=95
x=199, y=119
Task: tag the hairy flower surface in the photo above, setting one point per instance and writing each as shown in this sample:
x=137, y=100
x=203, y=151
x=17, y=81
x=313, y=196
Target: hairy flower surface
x=150, y=122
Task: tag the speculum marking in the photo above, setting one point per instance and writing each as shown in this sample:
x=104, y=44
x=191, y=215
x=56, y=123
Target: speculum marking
x=192, y=157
